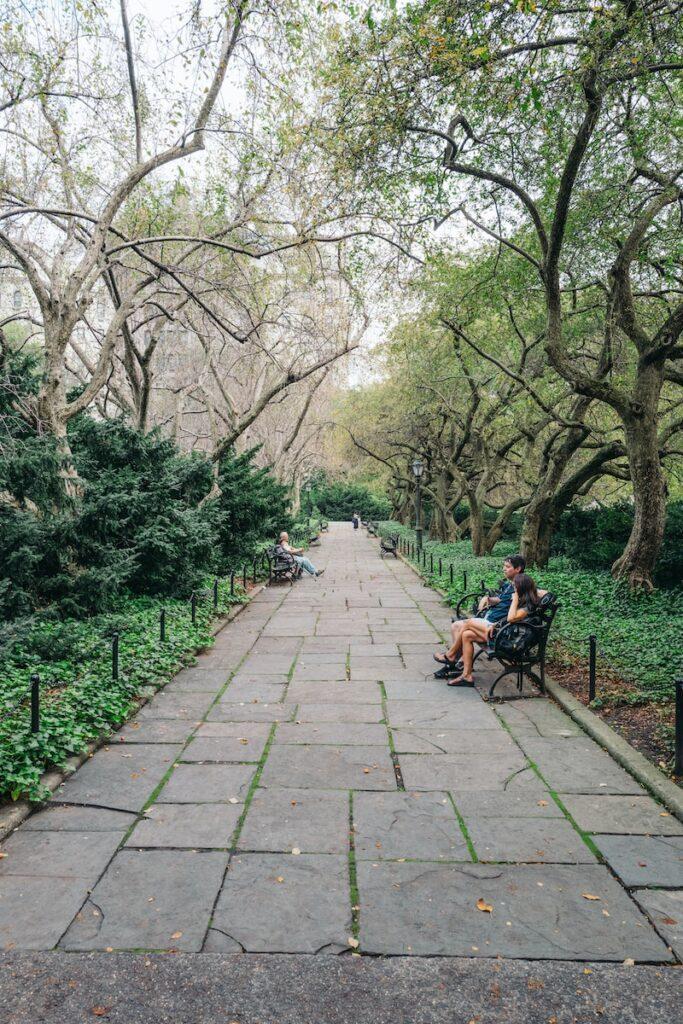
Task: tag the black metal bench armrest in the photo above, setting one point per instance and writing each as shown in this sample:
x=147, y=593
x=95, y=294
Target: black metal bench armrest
x=467, y=597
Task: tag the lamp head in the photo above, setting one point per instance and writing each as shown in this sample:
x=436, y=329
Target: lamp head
x=418, y=468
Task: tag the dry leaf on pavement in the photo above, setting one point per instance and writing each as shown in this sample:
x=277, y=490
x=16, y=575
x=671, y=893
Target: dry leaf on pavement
x=589, y=896
x=485, y=907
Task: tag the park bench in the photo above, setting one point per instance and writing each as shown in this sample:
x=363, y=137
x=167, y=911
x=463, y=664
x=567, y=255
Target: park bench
x=283, y=566
x=519, y=647
x=388, y=546
x=372, y=528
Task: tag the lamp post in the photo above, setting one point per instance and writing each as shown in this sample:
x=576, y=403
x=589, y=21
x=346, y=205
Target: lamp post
x=418, y=470
x=309, y=503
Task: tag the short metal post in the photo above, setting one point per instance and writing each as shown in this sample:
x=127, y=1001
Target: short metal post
x=115, y=656
x=193, y=604
x=678, y=742
x=592, y=656
x=464, y=581
x=440, y=568
x=431, y=562
x=215, y=593
x=450, y=573
x=244, y=576
x=35, y=704
x=162, y=625
x=232, y=584
x=483, y=585
x=253, y=576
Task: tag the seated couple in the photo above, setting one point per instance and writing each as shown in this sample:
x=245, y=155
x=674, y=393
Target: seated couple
x=297, y=555
x=516, y=600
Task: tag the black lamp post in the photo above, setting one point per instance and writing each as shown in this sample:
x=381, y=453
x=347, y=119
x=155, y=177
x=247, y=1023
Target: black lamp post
x=309, y=503
x=418, y=470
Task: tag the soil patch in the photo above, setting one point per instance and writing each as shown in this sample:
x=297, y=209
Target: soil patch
x=647, y=726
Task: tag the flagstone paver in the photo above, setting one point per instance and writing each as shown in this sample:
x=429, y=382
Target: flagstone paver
x=308, y=782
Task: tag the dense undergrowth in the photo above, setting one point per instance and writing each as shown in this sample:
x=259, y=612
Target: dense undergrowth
x=638, y=635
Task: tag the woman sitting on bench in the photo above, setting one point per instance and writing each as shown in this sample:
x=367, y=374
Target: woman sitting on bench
x=478, y=631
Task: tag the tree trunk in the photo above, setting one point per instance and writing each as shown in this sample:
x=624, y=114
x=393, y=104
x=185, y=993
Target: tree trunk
x=477, y=532
x=637, y=562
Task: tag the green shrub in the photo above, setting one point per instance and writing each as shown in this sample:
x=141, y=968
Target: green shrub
x=252, y=509
x=595, y=537
x=340, y=500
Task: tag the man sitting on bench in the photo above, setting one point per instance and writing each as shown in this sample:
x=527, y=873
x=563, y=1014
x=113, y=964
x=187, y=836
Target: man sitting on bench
x=494, y=610
x=297, y=554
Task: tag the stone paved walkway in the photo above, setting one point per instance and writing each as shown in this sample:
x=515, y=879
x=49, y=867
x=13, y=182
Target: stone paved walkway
x=308, y=787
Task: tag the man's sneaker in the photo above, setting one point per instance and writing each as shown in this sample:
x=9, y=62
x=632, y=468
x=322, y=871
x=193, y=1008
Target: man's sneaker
x=449, y=670
x=320, y=572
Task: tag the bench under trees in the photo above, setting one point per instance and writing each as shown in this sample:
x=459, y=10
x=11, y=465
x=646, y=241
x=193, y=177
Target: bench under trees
x=518, y=647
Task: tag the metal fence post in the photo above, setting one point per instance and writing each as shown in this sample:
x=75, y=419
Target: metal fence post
x=440, y=568
x=431, y=562
x=450, y=573
x=253, y=570
x=483, y=585
x=678, y=743
x=162, y=625
x=35, y=704
x=115, y=656
x=193, y=605
x=244, y=575
x=464, y=581
x=215, y=593
x=592, y=657
x=232, y=584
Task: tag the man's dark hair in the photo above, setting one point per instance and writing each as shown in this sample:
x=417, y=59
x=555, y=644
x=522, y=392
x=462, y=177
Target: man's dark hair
x=517, y=561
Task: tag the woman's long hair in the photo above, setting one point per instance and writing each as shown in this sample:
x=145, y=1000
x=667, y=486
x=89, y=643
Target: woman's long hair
x=527, y=593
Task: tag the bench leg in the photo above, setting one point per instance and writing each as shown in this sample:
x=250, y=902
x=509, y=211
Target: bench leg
x=506, y=672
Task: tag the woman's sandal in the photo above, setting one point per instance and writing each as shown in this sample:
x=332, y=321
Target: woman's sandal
x=442, y=659
x=460, y=681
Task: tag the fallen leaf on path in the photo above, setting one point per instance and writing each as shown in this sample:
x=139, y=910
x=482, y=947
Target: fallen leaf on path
x=542, y=803
x=177, y=935
x=100, y=1011
x=668, y=920
x=629, y=962
x=485, y=907
x=589, y=896
x=354, y=943
x=296, y=851
x=366, y=771
x=233, y=800
x=279, y=878
x=3, y=855
x=535, y=984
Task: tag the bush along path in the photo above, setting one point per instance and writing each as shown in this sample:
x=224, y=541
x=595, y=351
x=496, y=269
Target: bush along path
x=82, y=694
x=639, y=654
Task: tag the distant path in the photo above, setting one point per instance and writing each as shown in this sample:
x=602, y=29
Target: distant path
x=309, y=788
